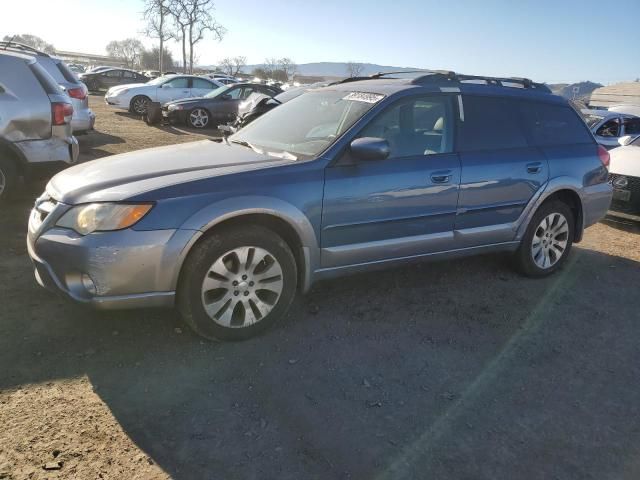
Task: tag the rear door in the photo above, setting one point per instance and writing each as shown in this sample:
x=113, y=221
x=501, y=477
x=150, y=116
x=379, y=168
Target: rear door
x=129, y=77
x=501, y=172
x=401, y=206
x=111, y=78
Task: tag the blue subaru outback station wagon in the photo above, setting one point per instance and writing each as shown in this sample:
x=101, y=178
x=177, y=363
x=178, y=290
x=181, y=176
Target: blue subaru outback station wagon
x=356, y=176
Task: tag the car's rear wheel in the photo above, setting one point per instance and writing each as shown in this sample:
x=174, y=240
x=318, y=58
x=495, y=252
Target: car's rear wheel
x=139, y=104
x=198, y=118
x=236, y=283
x=547, y=241
x=8, y=177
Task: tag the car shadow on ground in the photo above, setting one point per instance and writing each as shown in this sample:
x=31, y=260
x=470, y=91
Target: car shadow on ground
x=460, y=369
x=622, y=224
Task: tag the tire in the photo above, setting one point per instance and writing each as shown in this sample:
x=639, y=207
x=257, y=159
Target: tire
x=215, y=274
x=138, y=104
x=198, y=118
x=8, y=177
x=553, y=240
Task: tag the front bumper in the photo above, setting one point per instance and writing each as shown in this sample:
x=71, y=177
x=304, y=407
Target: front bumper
x=116, y=101
x=128, y=268
x=174, y=116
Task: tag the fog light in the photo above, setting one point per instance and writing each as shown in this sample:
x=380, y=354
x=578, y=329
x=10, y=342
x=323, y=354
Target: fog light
x=88, y=284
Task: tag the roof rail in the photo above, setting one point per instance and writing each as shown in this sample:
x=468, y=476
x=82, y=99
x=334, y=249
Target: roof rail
x=441, y=76
x=20, y=46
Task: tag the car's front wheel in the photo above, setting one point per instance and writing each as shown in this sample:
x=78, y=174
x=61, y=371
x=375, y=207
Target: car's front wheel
x=8, y=177
x=139, y=104
x=198, y=118
x=547, y=241
x=236, y=283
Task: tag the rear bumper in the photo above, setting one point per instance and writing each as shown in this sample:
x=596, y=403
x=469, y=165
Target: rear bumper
x=51, y=150
x=596, y=200
x=83, y=121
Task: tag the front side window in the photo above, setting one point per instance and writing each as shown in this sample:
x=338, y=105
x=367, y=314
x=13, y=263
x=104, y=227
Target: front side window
x=202, y=84
x=490, y=123
x=549, y=125
x=180, y=82
x=414, y=127
x=307, y=125
x=610, y=128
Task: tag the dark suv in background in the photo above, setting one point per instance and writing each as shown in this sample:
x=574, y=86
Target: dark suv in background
x=348, y=178
x=35, y=120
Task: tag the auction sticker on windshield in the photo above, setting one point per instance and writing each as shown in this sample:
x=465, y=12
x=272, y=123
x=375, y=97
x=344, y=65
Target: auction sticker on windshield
x=364, y=97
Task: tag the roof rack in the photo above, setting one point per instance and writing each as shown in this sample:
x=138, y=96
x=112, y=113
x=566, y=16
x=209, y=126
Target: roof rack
x=4, y=45
x=436, y=77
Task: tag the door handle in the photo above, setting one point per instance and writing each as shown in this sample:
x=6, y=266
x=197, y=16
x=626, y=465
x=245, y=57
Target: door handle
x=441, y=177
x=535, y=167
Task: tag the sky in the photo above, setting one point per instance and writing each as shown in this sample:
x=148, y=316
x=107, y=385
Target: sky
x=546, y=40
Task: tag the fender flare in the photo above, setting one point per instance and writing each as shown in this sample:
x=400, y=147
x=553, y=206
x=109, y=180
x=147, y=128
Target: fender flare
x=207, y=218
x=22, y=162
x=552, y=186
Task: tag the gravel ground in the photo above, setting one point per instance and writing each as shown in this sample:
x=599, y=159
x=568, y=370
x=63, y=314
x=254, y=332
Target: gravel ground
x=452, y=370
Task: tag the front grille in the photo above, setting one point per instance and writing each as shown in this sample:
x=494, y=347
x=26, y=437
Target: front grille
x=633, y=186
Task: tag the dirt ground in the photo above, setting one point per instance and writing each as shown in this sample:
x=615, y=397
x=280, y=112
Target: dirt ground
x=451, y=370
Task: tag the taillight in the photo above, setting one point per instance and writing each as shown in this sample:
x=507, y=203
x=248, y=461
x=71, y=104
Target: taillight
x=61, y=113
x=80, y=92
x=603, y=153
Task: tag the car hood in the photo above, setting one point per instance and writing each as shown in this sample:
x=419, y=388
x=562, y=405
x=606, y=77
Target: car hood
x=127, y=86
x=123, y=176
x=625, y=161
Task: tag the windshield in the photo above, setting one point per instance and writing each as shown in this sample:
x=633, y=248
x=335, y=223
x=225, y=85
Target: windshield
x=307, y=125
x=216, y=92
x=592, y=120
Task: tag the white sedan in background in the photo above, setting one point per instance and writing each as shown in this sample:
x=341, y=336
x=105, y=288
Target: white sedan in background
x=136, y=96
x=624, y=175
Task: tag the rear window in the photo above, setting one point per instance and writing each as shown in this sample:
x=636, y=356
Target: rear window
x=68, y=75
x=490, y=123
x=48, y=84
x=550, y=125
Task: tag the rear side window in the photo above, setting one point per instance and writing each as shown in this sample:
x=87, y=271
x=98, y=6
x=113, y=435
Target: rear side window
x=549, y=125
x=68, y=75
x=48, y=84
x=490, y=123
x=632, y=126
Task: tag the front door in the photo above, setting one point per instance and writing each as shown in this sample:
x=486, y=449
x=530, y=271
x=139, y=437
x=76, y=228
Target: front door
x=401, y=206
x=175, y=89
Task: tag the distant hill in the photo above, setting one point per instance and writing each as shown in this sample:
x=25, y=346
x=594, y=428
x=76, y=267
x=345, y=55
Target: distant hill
x=566, y=90
x=336, y=69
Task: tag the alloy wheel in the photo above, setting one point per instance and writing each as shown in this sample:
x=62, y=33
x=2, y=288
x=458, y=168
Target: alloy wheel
x=242, y=287
x=550, y=240
x=199, y=118
x=140, y=105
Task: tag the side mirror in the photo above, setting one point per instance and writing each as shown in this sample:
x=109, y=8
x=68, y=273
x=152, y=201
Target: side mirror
x=370, y=148
x=626, y=140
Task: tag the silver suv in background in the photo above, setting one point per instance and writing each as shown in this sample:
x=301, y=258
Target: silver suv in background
x=35, y=120
x=83, y=118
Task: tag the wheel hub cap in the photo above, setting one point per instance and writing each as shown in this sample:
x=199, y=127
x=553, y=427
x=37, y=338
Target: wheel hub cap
x=550, y=240
x=242, y=287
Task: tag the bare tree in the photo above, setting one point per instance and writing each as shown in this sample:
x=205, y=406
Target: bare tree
x=354, y=69
x=194, y=20
x=129, y=51
x=156, y=13
x=288, y=67
x=233, y=66
x=32, y=41
x=270, y=66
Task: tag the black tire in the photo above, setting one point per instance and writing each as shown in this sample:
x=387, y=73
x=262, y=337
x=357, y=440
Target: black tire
x=524, y=256
x=133, y=105
x=190, y=122
x=8, y=177
x=191, y=295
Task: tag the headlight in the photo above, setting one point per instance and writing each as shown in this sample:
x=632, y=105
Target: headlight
x=100, y=217
x=173, y=106
x=122, y=92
